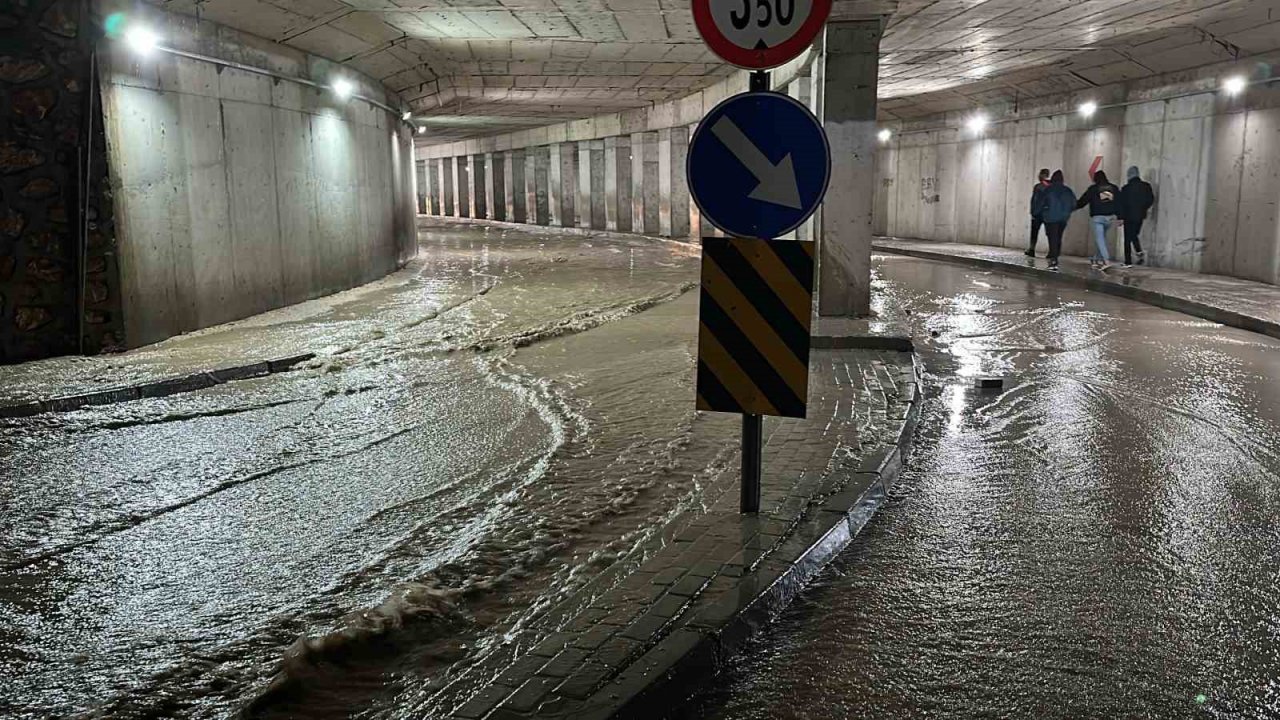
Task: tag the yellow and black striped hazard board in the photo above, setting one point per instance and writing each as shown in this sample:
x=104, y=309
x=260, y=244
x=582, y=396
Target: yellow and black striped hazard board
x=753, y=338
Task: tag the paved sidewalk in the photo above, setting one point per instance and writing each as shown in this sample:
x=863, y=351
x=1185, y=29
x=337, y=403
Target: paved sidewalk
x=1231, y=301
x=636, y=637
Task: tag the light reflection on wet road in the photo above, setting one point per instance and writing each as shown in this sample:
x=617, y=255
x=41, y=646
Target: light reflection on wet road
x=1098, y=539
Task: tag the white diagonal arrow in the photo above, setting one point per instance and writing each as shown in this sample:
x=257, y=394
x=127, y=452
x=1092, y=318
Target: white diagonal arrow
x=777, y=182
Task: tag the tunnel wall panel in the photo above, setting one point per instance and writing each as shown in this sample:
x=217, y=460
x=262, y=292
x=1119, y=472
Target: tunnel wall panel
x=1214, y=163
x=238, y=193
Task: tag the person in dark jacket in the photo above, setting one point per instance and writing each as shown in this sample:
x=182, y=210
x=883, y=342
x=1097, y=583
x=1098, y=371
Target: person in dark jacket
x=1042, y=184
x=1136, y=199
x=1103, y=200
x=1057, y=202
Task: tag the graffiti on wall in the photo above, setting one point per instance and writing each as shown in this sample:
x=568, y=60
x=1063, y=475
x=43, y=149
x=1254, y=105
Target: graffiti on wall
x=929, y=190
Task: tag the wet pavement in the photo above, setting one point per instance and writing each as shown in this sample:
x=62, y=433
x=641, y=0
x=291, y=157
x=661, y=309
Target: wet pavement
x=1231, y=301
x=301, y=543
x=1095, y=539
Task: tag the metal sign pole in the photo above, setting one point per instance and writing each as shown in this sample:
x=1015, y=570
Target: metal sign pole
x=752, y=445
x=753, y=425
x=758, y=166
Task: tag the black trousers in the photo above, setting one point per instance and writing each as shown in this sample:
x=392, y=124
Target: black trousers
x=1131, y=230
x=1054, y=231
x=1035, y=231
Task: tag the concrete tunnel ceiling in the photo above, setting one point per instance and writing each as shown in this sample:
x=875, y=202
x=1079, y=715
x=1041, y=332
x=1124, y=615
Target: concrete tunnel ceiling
x=477, y=67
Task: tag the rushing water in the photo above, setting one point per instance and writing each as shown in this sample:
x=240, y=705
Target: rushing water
x=470, y=444
x=1096, y=539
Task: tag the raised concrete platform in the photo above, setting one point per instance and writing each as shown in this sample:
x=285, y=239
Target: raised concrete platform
x=1231, y=301
x=636, y=638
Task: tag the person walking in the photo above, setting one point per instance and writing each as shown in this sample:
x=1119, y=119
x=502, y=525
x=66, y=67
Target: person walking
x=1103, y=200
x=1057, y=202
x=1136, y=198
x=1037, y=193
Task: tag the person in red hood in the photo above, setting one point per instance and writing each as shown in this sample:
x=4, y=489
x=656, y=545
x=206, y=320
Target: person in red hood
x=1037, y=200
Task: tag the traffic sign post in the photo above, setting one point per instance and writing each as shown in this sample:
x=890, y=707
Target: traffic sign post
x=758, y=166
x=759, y=34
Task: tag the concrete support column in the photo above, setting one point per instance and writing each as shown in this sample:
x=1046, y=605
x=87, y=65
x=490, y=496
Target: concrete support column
x=519, y=187
x=696, y=228
x=489, y=178
x=800, y=90
x=554, y=184
x=479, y=199
x=434, y=189
x=664, y=182
x=499, y=181
x=540, y=198
x=818, y=70
x=849, y=106
x=595, y=186
x=583, y=191
x=568, y=185
x=447, y=179
x=420, y=186
x=617, y=183
x=462, y=185
x=647, y=193
x=673, y=199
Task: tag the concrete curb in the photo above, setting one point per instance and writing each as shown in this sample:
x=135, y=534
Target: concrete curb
x=1149, y=297
x=897, y=343
x=681, y=662
x=155, y=388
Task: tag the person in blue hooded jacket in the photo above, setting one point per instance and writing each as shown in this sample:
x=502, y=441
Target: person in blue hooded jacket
x=1057, y=202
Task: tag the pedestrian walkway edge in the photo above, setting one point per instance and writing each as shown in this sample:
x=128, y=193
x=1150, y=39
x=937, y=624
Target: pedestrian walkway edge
x=1142, y=295
x=681, y=663
x=155, y=388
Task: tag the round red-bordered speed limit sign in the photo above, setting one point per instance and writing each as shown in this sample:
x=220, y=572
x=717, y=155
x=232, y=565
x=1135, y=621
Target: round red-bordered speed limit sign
x=759, y=34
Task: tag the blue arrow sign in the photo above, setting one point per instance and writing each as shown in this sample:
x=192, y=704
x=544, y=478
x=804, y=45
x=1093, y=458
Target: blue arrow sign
x=758, y=165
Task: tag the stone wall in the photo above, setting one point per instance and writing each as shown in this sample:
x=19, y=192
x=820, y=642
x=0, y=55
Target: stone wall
x=45, y=90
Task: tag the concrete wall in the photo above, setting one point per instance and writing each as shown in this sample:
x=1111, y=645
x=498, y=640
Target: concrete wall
x=237, y=193
x=620, y=171
x=1214, y=162
x=626, y=183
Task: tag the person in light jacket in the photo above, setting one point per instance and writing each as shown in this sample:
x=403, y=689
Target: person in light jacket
x=1057, y=202
x=1103, y=200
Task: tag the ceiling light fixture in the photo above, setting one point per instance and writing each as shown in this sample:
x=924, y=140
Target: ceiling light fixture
x=1088, y=109
x=342, y=88
x=978, y=122
x=141, y=39
x=422, y=129
x=885, y=134
x=407, y=115
x=1234, y=85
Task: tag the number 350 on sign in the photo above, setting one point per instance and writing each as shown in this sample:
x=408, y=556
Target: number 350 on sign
x=759, y=34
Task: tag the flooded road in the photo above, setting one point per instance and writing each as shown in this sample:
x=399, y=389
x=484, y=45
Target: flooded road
x=470, y=444
x=1097, y=539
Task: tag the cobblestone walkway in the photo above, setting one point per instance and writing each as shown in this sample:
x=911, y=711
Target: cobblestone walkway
x=1231, y=301
x=629, y=641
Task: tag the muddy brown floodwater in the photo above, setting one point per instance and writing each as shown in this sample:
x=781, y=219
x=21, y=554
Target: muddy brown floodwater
x=1100, y=538
x=474, y=441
